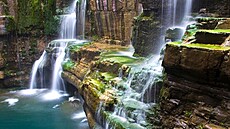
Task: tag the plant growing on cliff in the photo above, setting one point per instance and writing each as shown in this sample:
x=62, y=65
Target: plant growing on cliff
x=68, y=64
x=51, y=26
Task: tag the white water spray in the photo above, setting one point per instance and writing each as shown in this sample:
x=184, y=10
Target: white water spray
x=57, y=48
x=33, y=82
x=68, y=26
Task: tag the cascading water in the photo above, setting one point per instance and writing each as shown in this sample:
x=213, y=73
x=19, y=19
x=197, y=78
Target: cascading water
x=57, y=50
x=143, y=85
x=35, y=69
x=68, y=26
x=80, y=13
x=175, y=12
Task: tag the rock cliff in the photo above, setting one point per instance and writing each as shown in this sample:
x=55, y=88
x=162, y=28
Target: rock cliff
x=196, y=92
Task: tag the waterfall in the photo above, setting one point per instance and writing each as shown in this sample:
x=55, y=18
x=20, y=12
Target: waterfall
x=175, y=12
x=68, y=26
x=55, y=53
x=35, y=69
x=81, y=7
x=144, y=82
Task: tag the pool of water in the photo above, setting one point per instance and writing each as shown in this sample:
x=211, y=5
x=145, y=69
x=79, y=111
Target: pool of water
x=40, y=109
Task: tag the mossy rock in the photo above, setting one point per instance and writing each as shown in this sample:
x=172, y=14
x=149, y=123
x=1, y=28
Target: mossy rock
x=68, y=64
x=217, y=36
x=200, y=46
x=120, y=122
x=10, y=25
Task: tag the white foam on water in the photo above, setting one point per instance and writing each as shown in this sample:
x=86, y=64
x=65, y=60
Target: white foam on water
x=31, y=91
x=72, y=99
x=52, y=95
x=11, y=101
x=80, y=115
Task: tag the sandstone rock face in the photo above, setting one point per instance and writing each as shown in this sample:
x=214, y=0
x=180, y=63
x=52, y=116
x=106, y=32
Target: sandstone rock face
x=96, y=77
x=204, y=65
x=196, y=91
x=18, y=52
x=112, y=19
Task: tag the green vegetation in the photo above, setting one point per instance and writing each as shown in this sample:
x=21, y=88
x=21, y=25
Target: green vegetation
x=95, y=38
x=107, y=76
x=36, y=15
x=187, y=113
x=97, y=84
x=10, y=26
x=120, y=123
x=202, y=46
x=67, y=65
x=215, y=31
x=208, y=19
x=142, y=17
x=120, y=59
x=51, y=26
x=76, y=47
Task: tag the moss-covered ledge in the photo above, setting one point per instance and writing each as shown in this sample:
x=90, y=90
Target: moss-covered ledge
x=196, y=91
x=201, y=62
x=96, y=71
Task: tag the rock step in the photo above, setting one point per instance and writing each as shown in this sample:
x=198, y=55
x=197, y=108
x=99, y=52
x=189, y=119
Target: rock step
x=217, y=36
x=201, y=62
x=213, y=23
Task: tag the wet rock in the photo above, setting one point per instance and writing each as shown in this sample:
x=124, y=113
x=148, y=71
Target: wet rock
x=196, y=120
x=213, y=126
x=221, y=115
x=211, y=36
x=207, y=23
x=2, y=62
x=223, y=24
x=174, y=34
x=197, y=61
x=1, y=75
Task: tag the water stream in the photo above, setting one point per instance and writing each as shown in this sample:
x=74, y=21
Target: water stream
x=20, y=110
x=144, y=82
x=45, y=104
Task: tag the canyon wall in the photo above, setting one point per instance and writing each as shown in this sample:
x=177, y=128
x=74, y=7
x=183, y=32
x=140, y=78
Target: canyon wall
x=111, y=19
x=24, y=35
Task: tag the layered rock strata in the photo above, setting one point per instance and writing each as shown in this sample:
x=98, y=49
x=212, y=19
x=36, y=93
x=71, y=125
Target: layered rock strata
x=196, y=93
x=112, y=19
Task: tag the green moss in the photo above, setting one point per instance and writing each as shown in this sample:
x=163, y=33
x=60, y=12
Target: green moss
x=120, y=123
x=100, y=86
x=67, y=65
x=203, y=19
x=187, y=113
x=120, y=59
x=10, y=26
x=34, y=14
x=107, y=76
x=142, y=17
x=95, y=38
x=51, y=26
x=202, y=46
x=164, y=93
x=216, y=31
x=189, y=34
x=76, y=47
